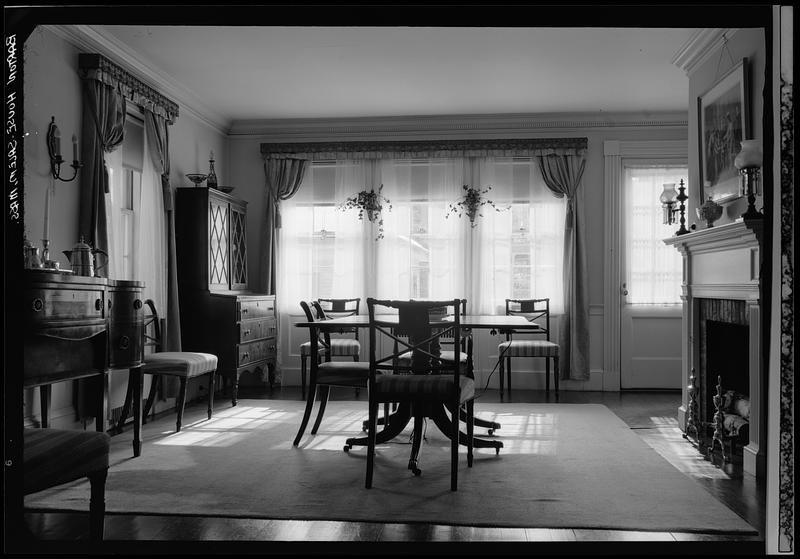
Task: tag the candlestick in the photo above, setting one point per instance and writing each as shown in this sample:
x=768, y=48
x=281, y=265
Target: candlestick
x=74, y=147
x=57, y=141
x=211, y=155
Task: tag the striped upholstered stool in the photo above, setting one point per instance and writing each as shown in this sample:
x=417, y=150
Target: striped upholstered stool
x=53, y=457
x=533, y=310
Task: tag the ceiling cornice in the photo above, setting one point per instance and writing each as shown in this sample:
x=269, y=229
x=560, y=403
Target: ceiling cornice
x=89, y=39
x=699, y=47
x=448, y=126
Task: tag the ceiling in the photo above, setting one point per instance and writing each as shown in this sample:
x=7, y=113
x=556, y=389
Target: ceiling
x=250, y=73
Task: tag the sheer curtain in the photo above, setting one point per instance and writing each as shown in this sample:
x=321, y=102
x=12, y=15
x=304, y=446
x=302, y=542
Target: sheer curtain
x=422, y=252
x=322, y=249
x=113, y=161
x=518, y=252
x=151, y=259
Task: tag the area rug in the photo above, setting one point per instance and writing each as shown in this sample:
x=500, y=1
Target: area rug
x=562, y=466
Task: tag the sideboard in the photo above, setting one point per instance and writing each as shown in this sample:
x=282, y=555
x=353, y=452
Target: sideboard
x=78, y=327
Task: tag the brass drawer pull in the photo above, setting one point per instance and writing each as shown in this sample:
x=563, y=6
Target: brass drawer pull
x=98, y=304
x=244, y=310
x=137, y=304
x=38, y=304
x=245, y=355
x=247, y=332
x=124, y=342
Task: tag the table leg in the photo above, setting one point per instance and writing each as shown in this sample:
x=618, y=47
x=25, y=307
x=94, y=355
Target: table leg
x=102, y=412
x=397, y=422
x=136, y=380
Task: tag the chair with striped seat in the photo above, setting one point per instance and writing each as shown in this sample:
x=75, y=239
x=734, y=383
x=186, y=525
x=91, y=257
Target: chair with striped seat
x=184, y=365
x=336, y=346
x=534, y=310
x=426, y=383
x=52, y=457
x=327, y=374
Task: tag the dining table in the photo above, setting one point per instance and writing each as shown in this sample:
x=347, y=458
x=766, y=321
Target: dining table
x=396, y=422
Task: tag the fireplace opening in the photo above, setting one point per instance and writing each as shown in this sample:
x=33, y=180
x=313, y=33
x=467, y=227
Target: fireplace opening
x=725, y=361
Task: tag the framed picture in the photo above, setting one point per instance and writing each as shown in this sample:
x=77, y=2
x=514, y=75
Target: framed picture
x=724, y=117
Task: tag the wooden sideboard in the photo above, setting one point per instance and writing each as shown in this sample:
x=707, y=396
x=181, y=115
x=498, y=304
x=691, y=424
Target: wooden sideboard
x=218, y=314
x=77, y=327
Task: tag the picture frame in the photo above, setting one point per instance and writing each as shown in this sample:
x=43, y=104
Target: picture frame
x=723, y=113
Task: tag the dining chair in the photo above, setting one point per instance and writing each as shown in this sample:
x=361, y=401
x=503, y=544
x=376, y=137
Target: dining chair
x=52, y=457
x=337, y=346
x=326, y=374
x=184, y=365
x=534, y=310
x=425, y=381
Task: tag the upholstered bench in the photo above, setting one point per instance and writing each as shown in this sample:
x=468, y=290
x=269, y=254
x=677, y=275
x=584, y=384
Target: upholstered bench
x=56, y=456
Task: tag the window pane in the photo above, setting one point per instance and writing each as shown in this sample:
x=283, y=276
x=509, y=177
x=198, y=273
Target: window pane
x=653, y=274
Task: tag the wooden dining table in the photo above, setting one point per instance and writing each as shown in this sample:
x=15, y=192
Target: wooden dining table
x=397, y=421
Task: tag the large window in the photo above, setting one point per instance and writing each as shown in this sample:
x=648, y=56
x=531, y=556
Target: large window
x=425, y=252
x=653, y=269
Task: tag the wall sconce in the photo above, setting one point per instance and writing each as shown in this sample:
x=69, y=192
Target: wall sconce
x=669, y=198
x=54, y=149
x=749, y=164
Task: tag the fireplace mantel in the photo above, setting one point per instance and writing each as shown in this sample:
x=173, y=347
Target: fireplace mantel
x=724, y=262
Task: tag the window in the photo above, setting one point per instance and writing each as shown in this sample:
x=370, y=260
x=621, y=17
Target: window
x=426, y=252
x=653, y=269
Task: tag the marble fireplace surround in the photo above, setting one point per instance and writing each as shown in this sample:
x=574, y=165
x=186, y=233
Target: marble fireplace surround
x=723, y=262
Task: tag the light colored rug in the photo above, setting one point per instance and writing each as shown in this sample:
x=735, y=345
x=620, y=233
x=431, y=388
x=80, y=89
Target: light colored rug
x=563, y=466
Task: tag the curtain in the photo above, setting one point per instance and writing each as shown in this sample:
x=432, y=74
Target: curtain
x=322, y=251
x=519, y=243
x=422, y=252
x=157, y=140
x=562, y=175
x=283, y=177
x=102, y=131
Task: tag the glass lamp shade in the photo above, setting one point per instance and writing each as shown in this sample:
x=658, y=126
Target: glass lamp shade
x=750, y=156
x=669, y=194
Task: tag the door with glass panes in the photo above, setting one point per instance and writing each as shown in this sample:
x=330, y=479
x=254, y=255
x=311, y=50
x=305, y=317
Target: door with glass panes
x=650, y=318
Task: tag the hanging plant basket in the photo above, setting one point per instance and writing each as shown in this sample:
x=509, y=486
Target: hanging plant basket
x=471, y=204
x=370, y=203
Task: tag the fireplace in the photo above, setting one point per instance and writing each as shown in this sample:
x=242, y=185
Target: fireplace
x=722, y=337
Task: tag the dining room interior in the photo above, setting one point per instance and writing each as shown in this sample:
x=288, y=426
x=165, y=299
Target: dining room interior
x=523, y=281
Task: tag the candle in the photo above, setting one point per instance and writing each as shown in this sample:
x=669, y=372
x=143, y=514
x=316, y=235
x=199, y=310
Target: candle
x=211, y=155
x=47, y=213
x=74, y=147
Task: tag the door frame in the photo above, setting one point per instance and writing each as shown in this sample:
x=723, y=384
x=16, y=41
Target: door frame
x=614, y=151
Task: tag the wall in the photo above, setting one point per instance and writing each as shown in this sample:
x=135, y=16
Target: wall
x=247, y=175
x=52, y=88
x=745, y=43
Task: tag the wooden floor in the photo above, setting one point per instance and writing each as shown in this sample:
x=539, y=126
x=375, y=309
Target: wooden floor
x=651, y=414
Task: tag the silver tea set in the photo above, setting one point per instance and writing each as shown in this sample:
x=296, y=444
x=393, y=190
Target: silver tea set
x=82, y=258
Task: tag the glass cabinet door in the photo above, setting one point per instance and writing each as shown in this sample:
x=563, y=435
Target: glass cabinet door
x=238, y=248
x=219, y=264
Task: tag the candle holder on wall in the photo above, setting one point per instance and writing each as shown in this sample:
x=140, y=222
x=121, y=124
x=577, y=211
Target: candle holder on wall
x=54, y=149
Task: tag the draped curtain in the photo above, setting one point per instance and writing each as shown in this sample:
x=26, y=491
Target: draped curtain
x=102, y=131
x=283, y=177
x=562, y=175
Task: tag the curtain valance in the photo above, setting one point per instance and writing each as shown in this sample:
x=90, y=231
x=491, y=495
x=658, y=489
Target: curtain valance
x=318, y=151
x=93, y=66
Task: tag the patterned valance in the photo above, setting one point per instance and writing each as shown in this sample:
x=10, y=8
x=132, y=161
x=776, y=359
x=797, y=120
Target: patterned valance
x=317, y=151
x=97, y=67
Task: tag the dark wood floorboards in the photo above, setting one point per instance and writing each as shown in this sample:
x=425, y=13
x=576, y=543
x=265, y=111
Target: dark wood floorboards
x=651, y=414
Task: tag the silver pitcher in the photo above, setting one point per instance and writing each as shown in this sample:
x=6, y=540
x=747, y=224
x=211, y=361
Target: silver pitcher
x=82, y=258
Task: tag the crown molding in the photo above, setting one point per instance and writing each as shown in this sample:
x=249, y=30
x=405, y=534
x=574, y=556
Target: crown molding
x=89, y=39
x=699, y=47
x=507, y=126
